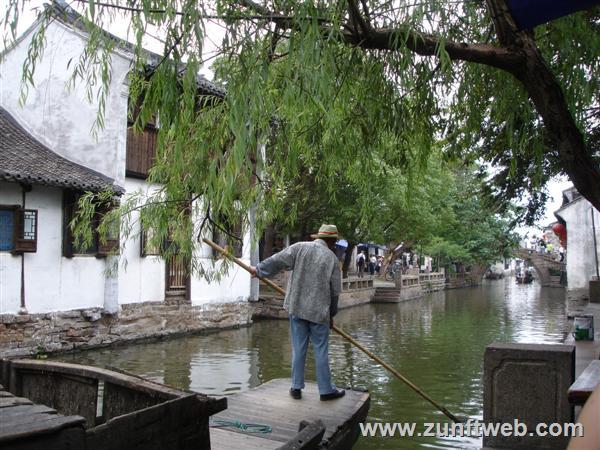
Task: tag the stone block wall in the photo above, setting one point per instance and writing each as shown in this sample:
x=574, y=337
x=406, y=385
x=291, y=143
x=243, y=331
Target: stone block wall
x=27, y=334
x=528, y=383
x=269, y=307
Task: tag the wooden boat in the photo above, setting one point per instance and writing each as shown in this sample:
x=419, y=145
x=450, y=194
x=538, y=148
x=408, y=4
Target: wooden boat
x=54, y=405
x=524, y=277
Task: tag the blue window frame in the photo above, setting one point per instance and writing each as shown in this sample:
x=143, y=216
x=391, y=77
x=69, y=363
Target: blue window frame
x=7, y=225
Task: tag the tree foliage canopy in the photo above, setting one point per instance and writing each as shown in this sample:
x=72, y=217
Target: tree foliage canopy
x=335, y=93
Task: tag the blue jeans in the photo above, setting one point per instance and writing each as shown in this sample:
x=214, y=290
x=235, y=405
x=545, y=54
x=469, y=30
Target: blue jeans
x=301, y=330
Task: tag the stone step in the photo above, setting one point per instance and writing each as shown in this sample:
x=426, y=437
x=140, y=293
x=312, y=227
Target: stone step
x=175, y=293
x=387, y=294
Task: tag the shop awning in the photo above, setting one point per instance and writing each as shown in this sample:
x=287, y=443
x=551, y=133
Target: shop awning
x=530, y=13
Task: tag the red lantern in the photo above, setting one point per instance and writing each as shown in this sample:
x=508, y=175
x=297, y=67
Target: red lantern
x=561, y=231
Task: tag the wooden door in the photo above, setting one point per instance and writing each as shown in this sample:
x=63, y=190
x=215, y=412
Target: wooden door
x=177, y=276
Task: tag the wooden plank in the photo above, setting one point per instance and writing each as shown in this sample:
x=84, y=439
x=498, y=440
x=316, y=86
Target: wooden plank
x=7, y=402
x=181, y=423
x=308, y=438
x=68, y=393
x=27, y=409
x=45, y=424
x=223, y=439
x=67, y=438
x=585, y=384
x=8, y=420
x=270, y=404
x=97, y=373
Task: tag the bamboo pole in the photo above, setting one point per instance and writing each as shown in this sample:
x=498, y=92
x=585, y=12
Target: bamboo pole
x=342, y=333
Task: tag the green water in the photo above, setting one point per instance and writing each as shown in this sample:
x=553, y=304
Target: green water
x=437, y=342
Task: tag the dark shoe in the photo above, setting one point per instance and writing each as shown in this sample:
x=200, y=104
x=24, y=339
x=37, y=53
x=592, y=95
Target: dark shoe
x=296, y=393
x=333, y=395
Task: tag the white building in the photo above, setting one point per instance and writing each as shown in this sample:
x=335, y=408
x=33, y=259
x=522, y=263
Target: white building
x=48, y=156
x=581, y=220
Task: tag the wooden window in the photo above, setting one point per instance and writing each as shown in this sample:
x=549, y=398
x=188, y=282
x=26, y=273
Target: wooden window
x=230, y=240
x=110, y=243
x=26, y=225
x=96, y=247
x=141, y=151
x=147, y=247
x=18, y=229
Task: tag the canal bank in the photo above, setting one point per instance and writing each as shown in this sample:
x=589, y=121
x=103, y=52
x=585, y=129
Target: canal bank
x=438, y=341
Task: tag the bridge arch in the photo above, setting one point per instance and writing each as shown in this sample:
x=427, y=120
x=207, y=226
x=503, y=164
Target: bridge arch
x=550, y=272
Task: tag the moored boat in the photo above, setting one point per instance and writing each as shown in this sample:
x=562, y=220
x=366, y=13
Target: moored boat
x=55, y=405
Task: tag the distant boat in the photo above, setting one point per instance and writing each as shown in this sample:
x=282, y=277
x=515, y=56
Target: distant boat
x=525, y=277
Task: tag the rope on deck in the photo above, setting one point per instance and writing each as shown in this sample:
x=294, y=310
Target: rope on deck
x=249, y=427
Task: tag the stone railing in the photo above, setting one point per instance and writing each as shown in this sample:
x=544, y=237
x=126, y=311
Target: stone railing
x=434, y=281
x=409, y=280
x=353, y=283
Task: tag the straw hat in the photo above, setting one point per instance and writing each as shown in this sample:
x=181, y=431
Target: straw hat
x=326, y=231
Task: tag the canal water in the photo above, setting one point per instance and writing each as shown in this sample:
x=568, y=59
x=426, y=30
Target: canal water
x=437, y=341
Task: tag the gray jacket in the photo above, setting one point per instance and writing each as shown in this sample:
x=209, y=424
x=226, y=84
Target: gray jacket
x=315, y=282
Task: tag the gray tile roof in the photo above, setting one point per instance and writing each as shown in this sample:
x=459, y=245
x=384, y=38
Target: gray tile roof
x=24, y=159
x=69, y=16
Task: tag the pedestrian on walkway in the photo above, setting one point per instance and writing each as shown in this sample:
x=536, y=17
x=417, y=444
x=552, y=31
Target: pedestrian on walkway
x=360, y=263
x=561, y=252
x=311, y=300
x=372, y=264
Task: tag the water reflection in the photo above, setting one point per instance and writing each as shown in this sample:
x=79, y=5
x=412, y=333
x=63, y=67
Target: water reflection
x=437, y=342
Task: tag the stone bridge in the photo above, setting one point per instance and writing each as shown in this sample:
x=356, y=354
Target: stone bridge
x=550, y=272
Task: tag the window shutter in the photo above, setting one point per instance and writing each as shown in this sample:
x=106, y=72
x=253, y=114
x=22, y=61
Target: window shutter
x=111, y=240
x=68, y=205
x=25, y=230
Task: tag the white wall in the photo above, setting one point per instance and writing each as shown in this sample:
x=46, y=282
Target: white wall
x=63, y=119
x=581, y=264
x=235, y=286
x=141, y=279
x=52, y=282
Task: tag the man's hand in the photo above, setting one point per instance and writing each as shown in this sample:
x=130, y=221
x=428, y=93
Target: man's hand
x=331, y=323
x=253, y=271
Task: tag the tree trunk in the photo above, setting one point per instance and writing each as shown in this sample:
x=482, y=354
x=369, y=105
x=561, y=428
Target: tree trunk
x=546, y=94
x=518, y=55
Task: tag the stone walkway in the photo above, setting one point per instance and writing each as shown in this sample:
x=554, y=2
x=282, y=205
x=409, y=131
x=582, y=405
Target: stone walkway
x=585, y=351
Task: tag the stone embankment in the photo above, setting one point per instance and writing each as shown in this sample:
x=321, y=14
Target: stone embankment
x=26, y=334
x=355, y=291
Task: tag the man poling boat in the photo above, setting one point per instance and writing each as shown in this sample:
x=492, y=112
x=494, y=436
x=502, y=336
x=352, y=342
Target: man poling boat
x=342, y=333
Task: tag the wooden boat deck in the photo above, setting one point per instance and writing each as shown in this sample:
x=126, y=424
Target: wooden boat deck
x=20, y=419
x=270, y=404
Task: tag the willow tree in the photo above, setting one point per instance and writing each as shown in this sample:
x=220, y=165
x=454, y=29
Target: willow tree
x=354, y=81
